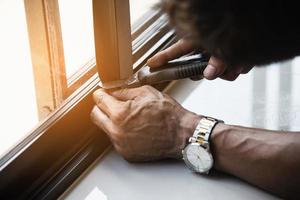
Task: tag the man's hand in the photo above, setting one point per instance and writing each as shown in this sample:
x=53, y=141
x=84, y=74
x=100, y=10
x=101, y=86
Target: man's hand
x=143, y=123
x=215, y=68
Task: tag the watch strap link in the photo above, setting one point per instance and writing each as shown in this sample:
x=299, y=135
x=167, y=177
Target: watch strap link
x=203, y=130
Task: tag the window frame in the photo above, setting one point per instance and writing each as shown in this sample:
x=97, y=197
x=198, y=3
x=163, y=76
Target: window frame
x=66, y=142
x=112, y=32
x=52, y=85
x=48, y=67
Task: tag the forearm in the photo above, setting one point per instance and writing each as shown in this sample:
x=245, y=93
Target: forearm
x=268, y=159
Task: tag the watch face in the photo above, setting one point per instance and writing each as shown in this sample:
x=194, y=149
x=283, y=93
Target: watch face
x=197, y=158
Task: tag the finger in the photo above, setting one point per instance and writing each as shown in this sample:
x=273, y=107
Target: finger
x=132, y=93
x=239, y=69
x=100, y=119
x=214, y=68
x=182, y=47
x=126, y=94
x=246, y=70
x=230, y=76
x=103, y=122
x=107, y=103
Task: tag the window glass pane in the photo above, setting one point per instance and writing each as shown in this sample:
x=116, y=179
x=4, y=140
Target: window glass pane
x=139, y=8
x=18, y=109
x=77, y=32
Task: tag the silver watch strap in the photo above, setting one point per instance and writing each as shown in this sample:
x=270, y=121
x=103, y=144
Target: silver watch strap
x=204, y=129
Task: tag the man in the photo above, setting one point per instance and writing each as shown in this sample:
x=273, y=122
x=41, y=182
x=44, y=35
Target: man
x=145, y=124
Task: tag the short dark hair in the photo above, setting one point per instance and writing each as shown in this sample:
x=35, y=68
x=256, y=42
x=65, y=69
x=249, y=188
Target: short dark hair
x=241, y=32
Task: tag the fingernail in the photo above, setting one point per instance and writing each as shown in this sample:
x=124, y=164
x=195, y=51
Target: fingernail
x=210, y=72
x=97, y=93
x=152, y=62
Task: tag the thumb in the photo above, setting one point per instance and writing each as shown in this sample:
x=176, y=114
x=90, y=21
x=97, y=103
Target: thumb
x=214, y=69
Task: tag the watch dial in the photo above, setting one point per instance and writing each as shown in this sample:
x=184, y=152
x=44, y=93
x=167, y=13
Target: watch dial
x=199, y=158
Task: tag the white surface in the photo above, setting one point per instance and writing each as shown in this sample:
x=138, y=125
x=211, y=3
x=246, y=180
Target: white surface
x=266, y=97
x=120, y=180
x=138, y=8
x=76, y=18
x=18, y=108
x=96, y=194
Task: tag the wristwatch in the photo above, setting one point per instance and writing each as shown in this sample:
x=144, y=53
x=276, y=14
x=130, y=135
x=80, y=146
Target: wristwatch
x=196, y=154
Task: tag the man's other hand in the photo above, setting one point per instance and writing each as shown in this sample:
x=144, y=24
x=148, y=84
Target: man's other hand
x=143, y=123
x=215, y=68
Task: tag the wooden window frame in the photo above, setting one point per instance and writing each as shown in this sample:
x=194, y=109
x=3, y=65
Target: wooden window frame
x=63, y=145
x=52, y=85
x=43, y=27
x=45, y=35
x=112, y=41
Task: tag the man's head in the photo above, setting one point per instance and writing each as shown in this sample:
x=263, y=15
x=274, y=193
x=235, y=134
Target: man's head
x=239, y=32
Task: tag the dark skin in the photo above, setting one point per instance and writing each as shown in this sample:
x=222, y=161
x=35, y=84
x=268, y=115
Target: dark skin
x=216, y=67
x=267, y=159
x=145, y=125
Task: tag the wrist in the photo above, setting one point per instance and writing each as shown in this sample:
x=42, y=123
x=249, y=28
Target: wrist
x=217, y=143
x=187, y=126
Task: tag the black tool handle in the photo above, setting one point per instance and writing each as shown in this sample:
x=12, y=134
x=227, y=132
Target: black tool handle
x=190, y=70
x=174, y=71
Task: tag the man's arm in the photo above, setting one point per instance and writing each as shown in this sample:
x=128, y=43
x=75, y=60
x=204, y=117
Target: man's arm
x=268, y=159
x=145, y=124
